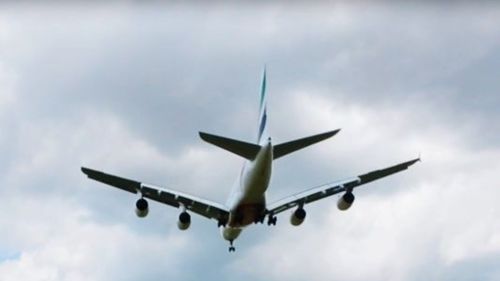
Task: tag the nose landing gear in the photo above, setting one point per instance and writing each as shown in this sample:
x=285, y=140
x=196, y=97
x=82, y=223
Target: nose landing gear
x=231, y=247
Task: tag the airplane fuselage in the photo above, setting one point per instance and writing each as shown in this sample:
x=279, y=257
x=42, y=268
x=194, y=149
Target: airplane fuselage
x=247, y=202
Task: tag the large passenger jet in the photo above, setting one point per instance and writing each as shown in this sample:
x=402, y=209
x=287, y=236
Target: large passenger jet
x=247, y=203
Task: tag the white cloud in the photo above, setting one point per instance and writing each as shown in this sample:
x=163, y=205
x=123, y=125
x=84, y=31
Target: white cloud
x=7, y=88
x=59, y=240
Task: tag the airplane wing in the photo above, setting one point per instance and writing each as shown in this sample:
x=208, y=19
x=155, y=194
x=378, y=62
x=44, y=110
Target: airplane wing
x=205, y=208
x=320, y=192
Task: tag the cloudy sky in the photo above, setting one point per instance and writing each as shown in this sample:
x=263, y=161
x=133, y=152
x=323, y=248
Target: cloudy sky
x=125, y=88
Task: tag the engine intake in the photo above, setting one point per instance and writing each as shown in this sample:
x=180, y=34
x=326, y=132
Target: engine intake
x=345, y=201
x=184, y=221
x=141, y=208
x=298, y=217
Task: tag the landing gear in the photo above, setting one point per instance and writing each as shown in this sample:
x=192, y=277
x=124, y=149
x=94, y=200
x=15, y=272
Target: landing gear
x=231, y=247
x=221, y=222
x=259, y=219
x=271, y=220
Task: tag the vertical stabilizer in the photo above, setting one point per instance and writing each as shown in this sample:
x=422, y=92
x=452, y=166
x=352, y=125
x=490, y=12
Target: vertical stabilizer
x=263, y=135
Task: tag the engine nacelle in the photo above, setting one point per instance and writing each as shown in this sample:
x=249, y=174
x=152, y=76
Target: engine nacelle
x=141, y=208
x=345, y=201
x=184, y=221
x=298, y=217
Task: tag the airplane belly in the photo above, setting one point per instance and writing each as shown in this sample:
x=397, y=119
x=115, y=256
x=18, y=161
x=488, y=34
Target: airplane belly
x=248, y=203
x=255, y=187
x=246, y=214
x=255, y=183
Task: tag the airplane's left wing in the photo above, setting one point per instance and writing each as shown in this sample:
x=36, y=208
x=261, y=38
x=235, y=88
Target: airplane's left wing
x=203, y=207
x=320, y=192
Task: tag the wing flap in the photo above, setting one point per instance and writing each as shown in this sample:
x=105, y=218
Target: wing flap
x=200, y=206
x=159, y=196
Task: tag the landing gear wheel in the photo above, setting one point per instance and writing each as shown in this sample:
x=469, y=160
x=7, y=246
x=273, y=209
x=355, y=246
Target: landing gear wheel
x=262, y=219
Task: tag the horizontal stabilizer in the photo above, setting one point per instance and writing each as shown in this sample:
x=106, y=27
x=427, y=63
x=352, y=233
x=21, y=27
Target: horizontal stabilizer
x=243, y=149
x=291, y=146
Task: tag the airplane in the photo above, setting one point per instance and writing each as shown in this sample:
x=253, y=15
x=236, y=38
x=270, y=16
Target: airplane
x=247, y=202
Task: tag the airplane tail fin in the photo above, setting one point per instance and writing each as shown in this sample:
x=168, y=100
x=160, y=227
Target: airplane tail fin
x=291, y=146
x=263, y=135
x=243, y=149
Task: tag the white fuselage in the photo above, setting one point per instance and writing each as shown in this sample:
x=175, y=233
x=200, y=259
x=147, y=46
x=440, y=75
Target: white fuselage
x=247, y=201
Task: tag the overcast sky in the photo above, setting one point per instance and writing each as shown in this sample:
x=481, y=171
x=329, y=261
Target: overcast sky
x=125, y=88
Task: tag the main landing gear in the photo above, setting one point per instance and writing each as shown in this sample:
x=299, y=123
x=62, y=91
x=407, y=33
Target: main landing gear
x=221, y=223
x=231, y=247
x=271, y=220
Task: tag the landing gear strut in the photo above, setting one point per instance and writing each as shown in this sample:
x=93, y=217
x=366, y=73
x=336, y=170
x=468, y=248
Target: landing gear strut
x=231, y=247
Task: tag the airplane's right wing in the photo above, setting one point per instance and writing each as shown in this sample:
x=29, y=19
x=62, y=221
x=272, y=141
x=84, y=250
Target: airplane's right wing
x=320, y=192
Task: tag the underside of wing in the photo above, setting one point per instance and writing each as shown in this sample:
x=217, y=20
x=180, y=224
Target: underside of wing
x=200, y=206
x=323, y=191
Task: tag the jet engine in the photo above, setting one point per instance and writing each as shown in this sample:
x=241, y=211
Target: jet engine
x=345, y=201
x=141, y=208
x=184, y=221
x=298, y=217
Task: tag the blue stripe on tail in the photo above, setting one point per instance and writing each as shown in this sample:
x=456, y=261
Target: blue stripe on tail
x=263, y=112
x=262, y=124
x=263, y=89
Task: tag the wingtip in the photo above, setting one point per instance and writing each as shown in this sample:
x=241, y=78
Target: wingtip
x=334, y=132
x=85, y=170
x=203, y=135
x=411, y=162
